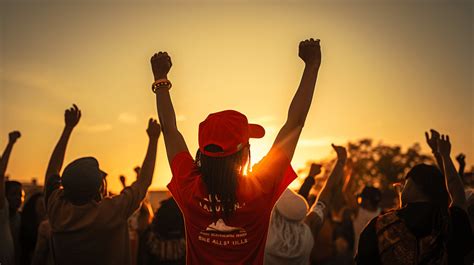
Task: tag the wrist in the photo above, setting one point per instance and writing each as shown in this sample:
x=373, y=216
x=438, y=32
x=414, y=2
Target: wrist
x=160, y=76
x=161, y=84
x=310, y=179
x=153, y=138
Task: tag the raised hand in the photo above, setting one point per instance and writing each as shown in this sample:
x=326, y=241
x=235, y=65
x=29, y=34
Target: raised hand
x=444, y=146
x=72, y=116
x=433, y=140
x=340, y=151
x=314, y=170
x=154, y=129
x=137, y=170
x=13, y=136
x=122, y=180
x=310, y=52
x=453, y=179
x=461, y=158
x=160, y=65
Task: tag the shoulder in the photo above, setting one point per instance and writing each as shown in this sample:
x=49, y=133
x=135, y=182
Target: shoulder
x=55, y=196
x=367, y=250
x=384, y=220
x=276, y=156
x=458, y=213
x=370, y=228
x=182, y=163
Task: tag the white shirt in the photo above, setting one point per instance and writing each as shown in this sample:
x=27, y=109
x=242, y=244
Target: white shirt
x=363, y=217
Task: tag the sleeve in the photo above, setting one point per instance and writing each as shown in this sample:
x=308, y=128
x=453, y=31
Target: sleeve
x=129, y=200
x=274, y=173
x=367, y=252
x=306, y=187
x=182, y=167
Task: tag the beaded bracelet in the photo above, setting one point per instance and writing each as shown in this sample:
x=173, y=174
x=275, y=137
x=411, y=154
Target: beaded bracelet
x=161, y=84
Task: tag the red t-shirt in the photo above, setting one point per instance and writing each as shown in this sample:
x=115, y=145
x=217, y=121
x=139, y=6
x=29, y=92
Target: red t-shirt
x=241, y=238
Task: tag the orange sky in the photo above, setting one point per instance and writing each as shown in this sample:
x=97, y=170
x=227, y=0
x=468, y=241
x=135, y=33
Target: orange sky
x=390, y=70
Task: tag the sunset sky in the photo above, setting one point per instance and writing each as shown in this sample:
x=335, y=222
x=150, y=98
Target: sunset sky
x=390, y=71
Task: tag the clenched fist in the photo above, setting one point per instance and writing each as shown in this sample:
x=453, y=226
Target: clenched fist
x=310, y=52
x=340, y=151
x=160, y=65
x=13, y=136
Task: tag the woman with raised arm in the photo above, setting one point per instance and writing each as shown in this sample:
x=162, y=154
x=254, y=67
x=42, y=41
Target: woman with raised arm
x=292, y=228
x=227, y=215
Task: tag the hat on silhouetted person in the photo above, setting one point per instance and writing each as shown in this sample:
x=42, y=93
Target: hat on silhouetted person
x=82, y=177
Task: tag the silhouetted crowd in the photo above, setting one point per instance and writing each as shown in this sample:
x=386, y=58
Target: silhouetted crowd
x=223, y=212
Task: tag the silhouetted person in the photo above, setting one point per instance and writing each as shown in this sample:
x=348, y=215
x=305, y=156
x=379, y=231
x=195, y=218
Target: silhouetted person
x=227, y=214
x=138, y=221
x=11, y=196
x=163, y=242
x=87, y=228
x=32, y=215
x=461, y=158
x=468, y=189
x=369, y=201
x=122, y=181
x=425, y=230
x=309, y=181
x=43, y=254
x=292, y=228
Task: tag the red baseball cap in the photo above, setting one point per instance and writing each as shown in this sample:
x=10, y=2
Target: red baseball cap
x=228, y=129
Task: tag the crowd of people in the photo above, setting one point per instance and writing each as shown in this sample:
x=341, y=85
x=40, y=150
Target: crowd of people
x=222, y=211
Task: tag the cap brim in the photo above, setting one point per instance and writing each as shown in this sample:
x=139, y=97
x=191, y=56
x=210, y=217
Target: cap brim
x=256, y=131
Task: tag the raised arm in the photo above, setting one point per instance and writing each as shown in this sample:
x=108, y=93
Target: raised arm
x=71, y=119
x=174, y=141
x=453, y=181
x=287, y=138
x=461, y=158
x=433, y=144
x=335, y=178
x=309, y=180
x=145, y=175
x=318, y=211
x=12, y=137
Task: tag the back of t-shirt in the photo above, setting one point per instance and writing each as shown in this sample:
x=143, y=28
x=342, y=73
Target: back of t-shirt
x=240, y=238
x=94, y=233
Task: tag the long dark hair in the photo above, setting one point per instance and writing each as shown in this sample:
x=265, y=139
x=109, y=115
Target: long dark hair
x=220, y=175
